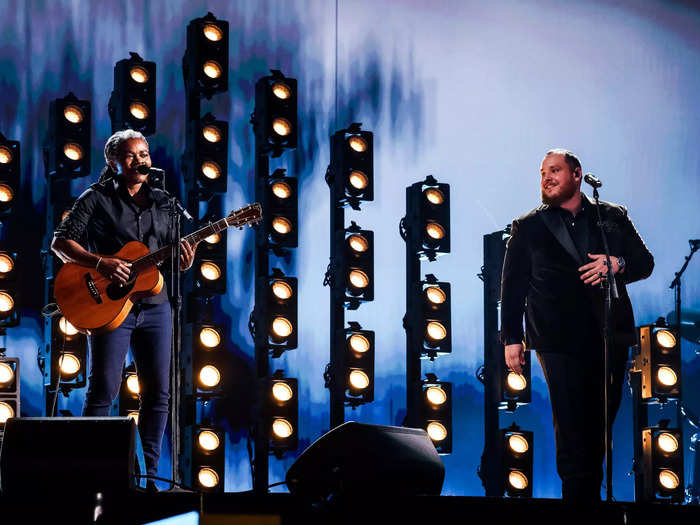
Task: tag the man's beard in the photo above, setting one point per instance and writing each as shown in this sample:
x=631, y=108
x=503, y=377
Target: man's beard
x=568, y=190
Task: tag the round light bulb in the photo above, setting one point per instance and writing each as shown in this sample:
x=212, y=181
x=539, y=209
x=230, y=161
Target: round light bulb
x=435, y=331
x=281, y=327
x=436, y=395
x=359, y=380
x=282, y=392
x=666, y=376
x=211, y=133
x=5, y=155
x=282, y=428
x=211, y=170
x=359, y=343
x=667, y=442
x=516, y=382
x=6, y=412
x=358, y=243
x=212, y=69
x=209, y=376
x=281, y=290
x=66, y=327
x=69, y=364
x=138, y=110
x=73, y=151
x=139, y=74
x=434, y=230
x=358, y=180
x=436, y=431
x=358, y=279
x=281, y=90
x=7, y=374
x=132, y=384
x=435, y=295
x=73, y=114
x=281, y=225
x=6, y=193
x=7, y=303
x=209, y=337
x=282, y=126
x=6, y=263
x=668, y=479
x=213, y=32
x=210, y=271
x=213, y=238
x=518, y=444
x=281, y=190
x=208, y=477
x=357, y=143
x=665, y=339
x=208, y=440
x=517, y=480
x=434, y=196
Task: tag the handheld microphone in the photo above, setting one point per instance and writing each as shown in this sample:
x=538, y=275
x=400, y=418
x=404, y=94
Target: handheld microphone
x=143, y=169
x=592, y=180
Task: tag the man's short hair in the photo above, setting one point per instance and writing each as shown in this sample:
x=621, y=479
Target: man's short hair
x=569, y=156
x=114, y=143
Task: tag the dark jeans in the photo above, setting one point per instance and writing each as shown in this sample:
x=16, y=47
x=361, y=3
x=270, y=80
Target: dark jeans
x=147, y=329
x=575, y=383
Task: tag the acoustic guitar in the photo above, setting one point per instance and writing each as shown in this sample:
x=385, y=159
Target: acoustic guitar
x=94, y=304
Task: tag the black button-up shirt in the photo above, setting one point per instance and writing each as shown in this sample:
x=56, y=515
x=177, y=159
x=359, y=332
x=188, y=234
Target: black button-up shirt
x=105, y=217
x=579, y=228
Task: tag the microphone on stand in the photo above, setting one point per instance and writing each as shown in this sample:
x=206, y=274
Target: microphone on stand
x=592, y=180
x=157, y=178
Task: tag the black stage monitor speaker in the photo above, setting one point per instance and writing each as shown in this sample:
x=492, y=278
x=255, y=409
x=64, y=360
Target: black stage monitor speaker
x=356, y=459
x=67, y=455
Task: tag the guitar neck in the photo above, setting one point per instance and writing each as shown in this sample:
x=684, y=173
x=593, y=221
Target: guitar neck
x=166, y=252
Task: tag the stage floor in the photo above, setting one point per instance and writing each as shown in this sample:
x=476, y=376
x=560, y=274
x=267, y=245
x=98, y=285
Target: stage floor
x=141, y=508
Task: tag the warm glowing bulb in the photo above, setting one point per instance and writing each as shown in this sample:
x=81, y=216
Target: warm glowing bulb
x=210, y=271
x=358, y=279
x=518, y=444
x=208, y=440
x=138, y=110
x=211, y=133
x=212, y=69
x=436, y=431
x=436, y=395
x=281, y=190
x=73, y=151
x=517, y=480
x=209, y=337
x=211, y=170
x=666, y=376
x=667, y=442
x=5, y=155
x=668, y=479
x=282, y=392
x=359, y=380
x=134, y=414
x=69, y=364
x=357, y=143
x=213, y=238
x=7, y=374
x=434, y=196
x=281, y=327
x=6, y=263
x=7, y=303
x=132, y=384
x=6, y=193
x=436, y=331
x=73, y=114
x=281, y=90
x=208, y=478
x=213, y=32
x=359, y=343
x=281, y=290
x=282, y=428
x=282, y=126
x=209, y=376
x=665, y=339
x=358, y=180
x=516, y=382
x=358, y=243
x=139, y=74
x=434, y=230
x=281, y=225
x=435, y=295
x=6, y=412
x=65, y=326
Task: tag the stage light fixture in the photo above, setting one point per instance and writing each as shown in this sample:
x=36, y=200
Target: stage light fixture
x=281, y=311
x=129, y=391
x=662, y=463
x=9, y=313
x=436, y=412
x=358, y=363
x=659, y=361
x=515, y=389
x=68, y=143
x=282, y=412
x=352, y=166
x=132, y=384
x=354, y=266
x=69, y=365
x=208, y=478
x=68, y=355
x=9, y=174
x=516, y=449
x=132, y=103
x=282, y=209
x=9, y=389
x=208, y=455
x=211, y=260
x=205, y=64
x=428, y=218
x=209, y=337
x=7, y=374
x=208, y=357
x=275, y=116
x=209, y=158
x=430, y=317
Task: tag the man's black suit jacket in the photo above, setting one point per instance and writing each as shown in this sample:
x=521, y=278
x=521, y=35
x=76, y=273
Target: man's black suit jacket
x=541, y=279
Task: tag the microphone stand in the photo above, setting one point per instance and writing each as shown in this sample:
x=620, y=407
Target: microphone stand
x=610, y=288
x=676, y=284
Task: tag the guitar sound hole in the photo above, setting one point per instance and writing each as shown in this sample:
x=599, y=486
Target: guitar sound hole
x=116, y=292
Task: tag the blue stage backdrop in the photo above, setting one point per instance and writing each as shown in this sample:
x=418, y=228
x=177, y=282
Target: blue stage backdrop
x=472, y=92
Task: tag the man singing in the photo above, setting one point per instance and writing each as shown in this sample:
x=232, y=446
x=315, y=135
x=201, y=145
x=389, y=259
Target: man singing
x=552, y=273
x=123, y=207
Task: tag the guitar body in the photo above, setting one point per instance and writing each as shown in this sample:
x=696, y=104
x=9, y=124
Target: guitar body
x=94, y=304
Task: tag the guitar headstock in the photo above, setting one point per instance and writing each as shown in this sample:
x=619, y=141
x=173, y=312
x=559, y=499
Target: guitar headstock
x=247, y=215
